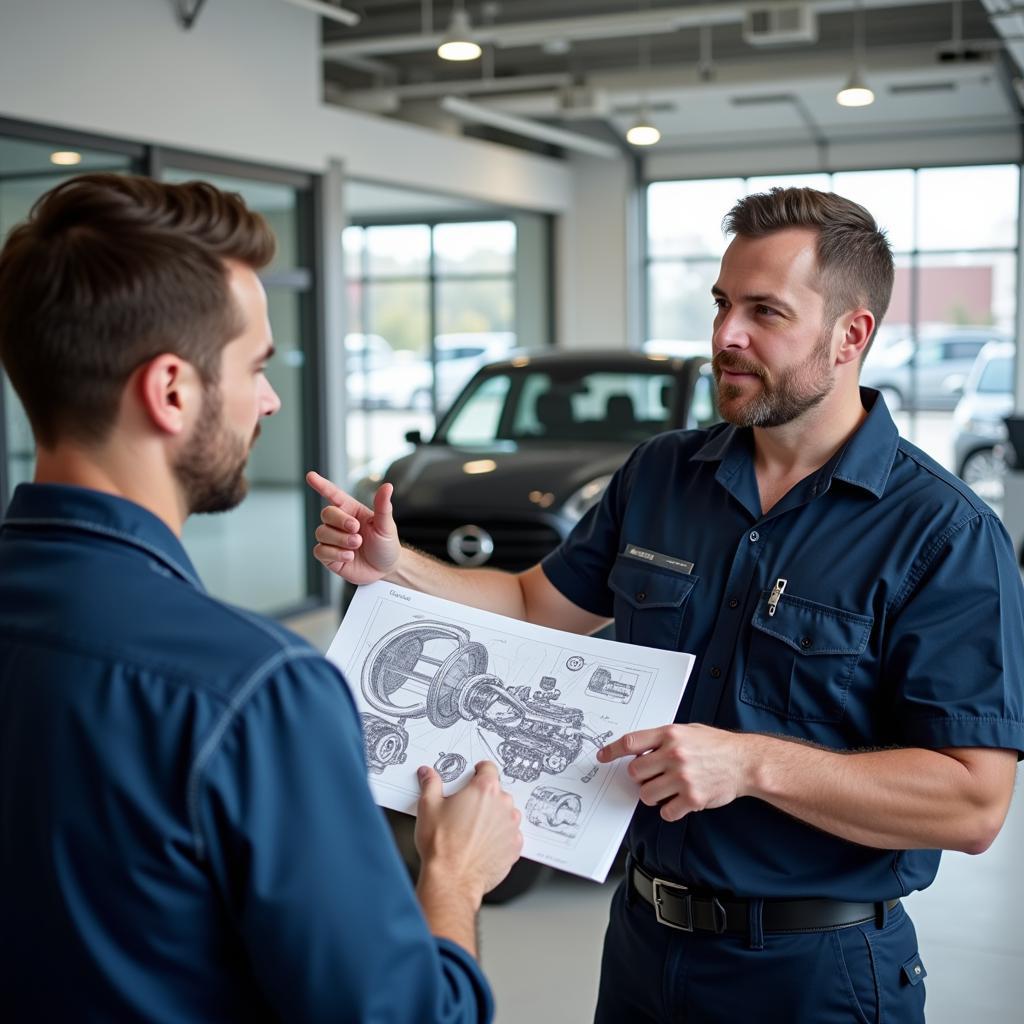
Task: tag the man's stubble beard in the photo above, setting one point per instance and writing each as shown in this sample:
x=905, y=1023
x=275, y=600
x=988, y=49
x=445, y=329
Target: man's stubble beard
x=211, y=467
x=780, y=400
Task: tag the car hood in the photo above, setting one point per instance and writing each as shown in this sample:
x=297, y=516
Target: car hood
x=435, y=477
x=983, y=405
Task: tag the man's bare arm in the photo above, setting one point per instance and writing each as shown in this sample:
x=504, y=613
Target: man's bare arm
x=954, y=799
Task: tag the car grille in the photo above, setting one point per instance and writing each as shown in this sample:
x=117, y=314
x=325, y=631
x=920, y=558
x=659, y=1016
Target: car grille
x=517, y=544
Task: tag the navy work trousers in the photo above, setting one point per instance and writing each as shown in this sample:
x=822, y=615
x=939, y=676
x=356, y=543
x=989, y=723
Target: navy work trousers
x=860, y=974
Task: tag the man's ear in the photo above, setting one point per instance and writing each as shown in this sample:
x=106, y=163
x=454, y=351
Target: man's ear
x=858, y=327
x=170, y=392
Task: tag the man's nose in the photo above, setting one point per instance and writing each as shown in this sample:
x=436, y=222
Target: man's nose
x=730, y=331
x=269, y=400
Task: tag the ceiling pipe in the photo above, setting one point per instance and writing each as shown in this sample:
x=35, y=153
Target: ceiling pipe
x=328, y=11
x=601, y=26
x=479, y=114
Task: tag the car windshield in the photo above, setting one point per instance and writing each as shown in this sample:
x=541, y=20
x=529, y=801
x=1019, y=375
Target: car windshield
x=995, y=378
x=561, y=405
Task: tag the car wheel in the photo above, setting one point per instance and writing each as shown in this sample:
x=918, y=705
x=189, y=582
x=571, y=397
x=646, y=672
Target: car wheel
x=984, y=472
x=892, y=396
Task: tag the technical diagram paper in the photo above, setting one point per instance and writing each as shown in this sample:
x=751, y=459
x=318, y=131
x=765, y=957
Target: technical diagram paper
x=442, y=684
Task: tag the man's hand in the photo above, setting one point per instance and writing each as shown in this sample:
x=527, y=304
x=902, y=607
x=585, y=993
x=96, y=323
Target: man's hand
x=683, y=767
x=470, y=839
x=357, y=543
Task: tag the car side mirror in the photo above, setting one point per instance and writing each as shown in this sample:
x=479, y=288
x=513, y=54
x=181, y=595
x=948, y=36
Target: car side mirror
x=414, y=436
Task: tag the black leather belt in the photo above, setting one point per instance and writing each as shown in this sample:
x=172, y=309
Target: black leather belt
x=676, y=906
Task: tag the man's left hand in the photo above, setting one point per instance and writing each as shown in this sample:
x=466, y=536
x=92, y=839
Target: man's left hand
x=683, y=767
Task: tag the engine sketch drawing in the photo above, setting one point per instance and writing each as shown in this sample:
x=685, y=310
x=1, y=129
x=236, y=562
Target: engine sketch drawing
x=556, y=810
x=450, y=766
x=602, y=685
x=385, y=742
x=436, y=670
x=575, y=663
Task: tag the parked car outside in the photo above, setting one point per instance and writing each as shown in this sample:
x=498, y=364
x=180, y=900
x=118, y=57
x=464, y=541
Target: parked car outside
x=979, y=430
x=524, y=451
x=934, y=377
x=380, y=377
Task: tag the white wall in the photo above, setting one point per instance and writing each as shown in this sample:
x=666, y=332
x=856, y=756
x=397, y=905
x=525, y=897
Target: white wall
x=594, y=245
x=244, y=82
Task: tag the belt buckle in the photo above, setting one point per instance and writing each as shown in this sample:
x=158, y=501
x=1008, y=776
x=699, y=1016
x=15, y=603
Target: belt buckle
x=682, y=893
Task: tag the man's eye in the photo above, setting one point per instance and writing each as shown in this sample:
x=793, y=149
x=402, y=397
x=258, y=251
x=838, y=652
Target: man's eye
x=718, y=303
x=766, y=311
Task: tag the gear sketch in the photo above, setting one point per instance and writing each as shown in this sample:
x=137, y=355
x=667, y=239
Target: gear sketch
x=385, y=742
x=450, y=766
x=556, y=810
x=602, y=685
x=436, y=670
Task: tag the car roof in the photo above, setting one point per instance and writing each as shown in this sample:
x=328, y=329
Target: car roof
x=592, y=359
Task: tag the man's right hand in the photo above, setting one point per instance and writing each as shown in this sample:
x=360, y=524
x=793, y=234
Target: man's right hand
x=470, y=839
x=360, y=544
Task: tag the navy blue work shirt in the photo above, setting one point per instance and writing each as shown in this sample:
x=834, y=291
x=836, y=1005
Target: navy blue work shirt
x=186, y=832
x=900, y=625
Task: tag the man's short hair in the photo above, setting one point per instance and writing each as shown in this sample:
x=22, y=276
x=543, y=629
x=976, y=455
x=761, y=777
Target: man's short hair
x=855, y=265
x=108, y=272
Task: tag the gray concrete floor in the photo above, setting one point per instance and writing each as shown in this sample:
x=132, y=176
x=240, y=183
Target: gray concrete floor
x=542, y=952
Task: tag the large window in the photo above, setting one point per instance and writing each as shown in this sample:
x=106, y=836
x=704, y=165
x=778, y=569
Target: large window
x=428, y=303
x=257, y=555
x=954, y=235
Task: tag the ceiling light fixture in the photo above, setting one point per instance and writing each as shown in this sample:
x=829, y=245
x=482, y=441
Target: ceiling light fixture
x=856, y=92
x=458, y=42
x=643, y=133
x=65, y=158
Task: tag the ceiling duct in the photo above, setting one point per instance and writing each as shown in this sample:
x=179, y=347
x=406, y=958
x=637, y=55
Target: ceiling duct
x=780, y=24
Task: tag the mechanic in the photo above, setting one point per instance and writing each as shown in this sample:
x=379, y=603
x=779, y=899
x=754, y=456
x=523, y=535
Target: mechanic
x=186, y=832
x=856, y=705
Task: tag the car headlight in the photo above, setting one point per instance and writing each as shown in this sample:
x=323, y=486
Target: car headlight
x=585, y=498
x=986, y=428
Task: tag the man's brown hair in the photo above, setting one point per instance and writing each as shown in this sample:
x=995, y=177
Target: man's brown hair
x=108, y=272
x=855, y=265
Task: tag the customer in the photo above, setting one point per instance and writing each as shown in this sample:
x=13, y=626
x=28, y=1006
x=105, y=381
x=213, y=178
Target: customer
x=186, y=832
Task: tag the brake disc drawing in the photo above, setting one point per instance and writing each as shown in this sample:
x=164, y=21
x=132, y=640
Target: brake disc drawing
x=437, y=671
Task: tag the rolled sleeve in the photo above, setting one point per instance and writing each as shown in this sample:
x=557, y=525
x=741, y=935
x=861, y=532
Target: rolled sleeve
x=957, y=643
x=579, y=567
x=309, y=870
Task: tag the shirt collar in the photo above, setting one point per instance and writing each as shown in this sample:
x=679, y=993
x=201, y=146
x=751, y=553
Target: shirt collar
x=865, y=461
x=62, y=506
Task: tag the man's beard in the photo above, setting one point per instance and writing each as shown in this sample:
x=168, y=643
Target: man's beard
x=781, y=399
x=211, y=467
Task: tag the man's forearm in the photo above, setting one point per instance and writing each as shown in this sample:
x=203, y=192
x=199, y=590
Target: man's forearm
x=891, y=799
x=450, y=911
x=490, y=589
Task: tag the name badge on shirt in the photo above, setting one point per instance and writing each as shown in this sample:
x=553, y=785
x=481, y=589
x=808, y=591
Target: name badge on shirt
x=655, y=558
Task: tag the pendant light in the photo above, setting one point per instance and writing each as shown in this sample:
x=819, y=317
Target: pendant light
x=856, y=92
x=458, y=43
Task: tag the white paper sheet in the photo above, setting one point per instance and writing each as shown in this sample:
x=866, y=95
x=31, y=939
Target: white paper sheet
x=442, y=684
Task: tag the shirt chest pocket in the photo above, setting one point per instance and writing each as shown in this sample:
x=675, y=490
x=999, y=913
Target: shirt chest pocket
x=802, y=659
x=649, y=603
